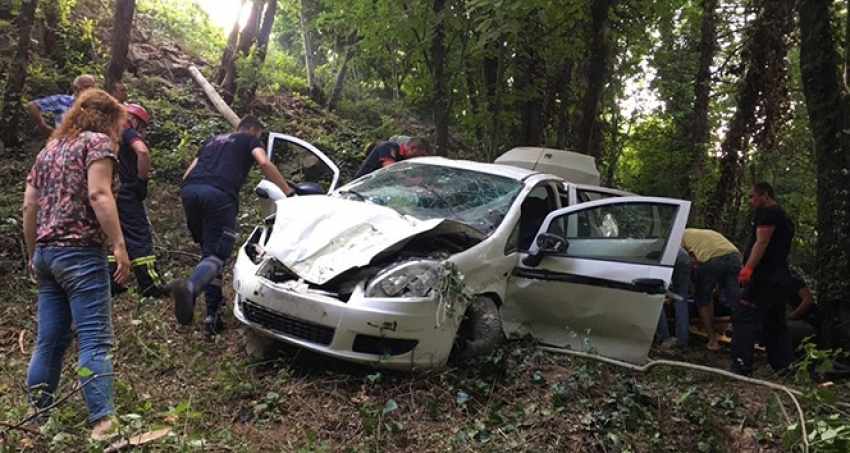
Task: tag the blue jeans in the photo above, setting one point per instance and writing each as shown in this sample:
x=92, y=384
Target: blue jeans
x=211, y=218
x=680, y=285
x=73, y=287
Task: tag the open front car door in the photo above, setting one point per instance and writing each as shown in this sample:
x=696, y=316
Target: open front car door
x=306, y=168
x=595, y=277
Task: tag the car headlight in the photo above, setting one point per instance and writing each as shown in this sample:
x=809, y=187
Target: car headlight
x=408, y=279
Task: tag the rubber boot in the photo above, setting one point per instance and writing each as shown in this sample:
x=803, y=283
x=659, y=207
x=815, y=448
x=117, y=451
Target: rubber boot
x=185, y=291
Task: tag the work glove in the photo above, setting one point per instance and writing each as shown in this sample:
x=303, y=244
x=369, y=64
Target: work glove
x=745, y=275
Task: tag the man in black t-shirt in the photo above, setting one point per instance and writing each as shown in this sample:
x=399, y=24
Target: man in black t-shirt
x=390, y=152
x=134, y=164
x=765, y=278
x=210, y=196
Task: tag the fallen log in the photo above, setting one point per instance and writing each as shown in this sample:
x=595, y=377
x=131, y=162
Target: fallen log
x=214, y=97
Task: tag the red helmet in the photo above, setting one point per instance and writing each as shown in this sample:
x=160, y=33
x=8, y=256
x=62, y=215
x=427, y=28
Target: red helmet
x=139, y=112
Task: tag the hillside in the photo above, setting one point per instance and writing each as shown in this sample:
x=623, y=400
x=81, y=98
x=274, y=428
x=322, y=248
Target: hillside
x=214, y=398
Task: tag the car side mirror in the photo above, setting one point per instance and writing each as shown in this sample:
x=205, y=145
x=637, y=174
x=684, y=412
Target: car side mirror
x=547, y=244
x=261, y=192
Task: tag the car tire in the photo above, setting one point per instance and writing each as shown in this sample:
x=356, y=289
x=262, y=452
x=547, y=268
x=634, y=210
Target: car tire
x=253, y=343
x=480, y=331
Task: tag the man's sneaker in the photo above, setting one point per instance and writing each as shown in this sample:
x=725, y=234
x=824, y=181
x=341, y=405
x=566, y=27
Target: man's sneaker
x=184, y=302
x=213, y=325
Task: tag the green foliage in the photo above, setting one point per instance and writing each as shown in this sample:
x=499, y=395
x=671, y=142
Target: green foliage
x=182, y=22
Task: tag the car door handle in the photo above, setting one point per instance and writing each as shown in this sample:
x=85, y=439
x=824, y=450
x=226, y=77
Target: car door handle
x=650, y=285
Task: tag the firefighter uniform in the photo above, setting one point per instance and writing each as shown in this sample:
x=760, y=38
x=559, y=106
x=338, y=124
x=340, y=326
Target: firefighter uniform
x=133, y=215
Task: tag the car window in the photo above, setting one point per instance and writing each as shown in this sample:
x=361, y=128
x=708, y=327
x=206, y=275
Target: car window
x=297, y=164
x=427, y=191
x=533, y=211
x=635, y=232
x=585, y=196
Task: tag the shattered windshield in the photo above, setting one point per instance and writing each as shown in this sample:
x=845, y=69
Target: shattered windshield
x=426, y=191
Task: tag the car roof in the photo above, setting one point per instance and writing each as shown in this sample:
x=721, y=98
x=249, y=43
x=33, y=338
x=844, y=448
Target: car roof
x=508, y=171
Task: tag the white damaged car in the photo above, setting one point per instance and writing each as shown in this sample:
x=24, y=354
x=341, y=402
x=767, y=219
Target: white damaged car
x=431, y=260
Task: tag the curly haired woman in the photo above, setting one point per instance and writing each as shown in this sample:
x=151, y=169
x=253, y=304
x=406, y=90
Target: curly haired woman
x=69, y=215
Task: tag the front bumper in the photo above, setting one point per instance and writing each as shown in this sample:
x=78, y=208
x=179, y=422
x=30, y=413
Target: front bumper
x=398, y=333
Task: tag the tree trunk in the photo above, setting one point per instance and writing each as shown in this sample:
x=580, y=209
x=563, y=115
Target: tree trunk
x=829, y=118
x=339, y=80
x=527, y=83
x=440, y=99
x=229, y=50
x=767, y=47
x=472, y=89
x=121, y=28
x=53, y=41
x=565, y=96
x=595, y=75
x=496, y=106
x=243, y=47
x=10, y=117
x=213, y=96
x=702, y=91
x=262, y=45
x=315, y=90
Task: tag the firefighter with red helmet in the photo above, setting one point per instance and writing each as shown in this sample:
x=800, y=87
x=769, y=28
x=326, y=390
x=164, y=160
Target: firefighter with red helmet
x=134, y=164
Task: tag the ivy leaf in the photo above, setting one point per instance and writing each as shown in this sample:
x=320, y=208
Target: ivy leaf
x=389, y=407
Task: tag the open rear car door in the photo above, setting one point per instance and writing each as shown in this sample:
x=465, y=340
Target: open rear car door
x=596, y=275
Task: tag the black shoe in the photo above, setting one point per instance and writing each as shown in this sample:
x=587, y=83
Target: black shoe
x=213, y=325
x=167, y=288
x=184, y=302
x=161, y=291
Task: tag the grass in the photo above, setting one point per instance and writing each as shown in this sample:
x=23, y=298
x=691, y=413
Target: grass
x=214, y=398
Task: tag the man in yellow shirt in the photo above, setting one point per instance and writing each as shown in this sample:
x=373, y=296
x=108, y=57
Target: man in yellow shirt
x=718, y=261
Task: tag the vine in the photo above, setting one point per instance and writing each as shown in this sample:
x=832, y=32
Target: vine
x=452, y=292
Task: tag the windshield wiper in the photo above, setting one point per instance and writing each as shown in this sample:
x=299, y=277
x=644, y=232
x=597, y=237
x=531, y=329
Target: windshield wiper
x=355, y=193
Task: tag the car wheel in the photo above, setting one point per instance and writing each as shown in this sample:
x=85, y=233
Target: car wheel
x=480, y=331
x=253, y=343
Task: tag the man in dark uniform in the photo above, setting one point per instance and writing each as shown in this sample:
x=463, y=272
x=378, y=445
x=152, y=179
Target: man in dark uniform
x=210, y=196
x=801, y=310
x=134, y=163
x=765, y=278
x=390, y=152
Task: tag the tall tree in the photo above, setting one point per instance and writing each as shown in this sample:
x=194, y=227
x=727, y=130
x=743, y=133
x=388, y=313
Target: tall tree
x=10, y=116
x=229, y=49
x=440, y=96
x=54, y=17
x=599, y=31
x=314, y=87
x=761, y=95
x=243, y=47
x=702, y=90
x=339, y=80
x=123, y=25
x=829, y=118
x=247, y=94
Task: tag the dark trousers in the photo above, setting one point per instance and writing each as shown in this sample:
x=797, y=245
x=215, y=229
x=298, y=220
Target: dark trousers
x=211, y=218
x=762, y=304
x=137, y=237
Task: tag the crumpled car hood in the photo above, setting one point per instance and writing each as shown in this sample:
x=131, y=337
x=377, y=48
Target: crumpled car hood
x=319, y=237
